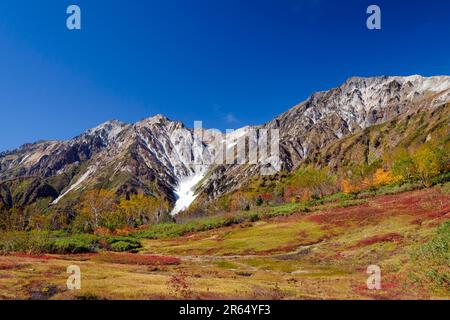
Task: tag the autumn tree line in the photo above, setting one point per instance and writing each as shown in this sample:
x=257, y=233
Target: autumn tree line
x=103, y=211
x=427, y=165
x=97, y=211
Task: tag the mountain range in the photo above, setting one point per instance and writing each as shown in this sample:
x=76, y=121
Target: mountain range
x=164, y=158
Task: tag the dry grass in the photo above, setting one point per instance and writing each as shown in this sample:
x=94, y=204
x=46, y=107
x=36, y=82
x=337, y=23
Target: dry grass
x=306, y=256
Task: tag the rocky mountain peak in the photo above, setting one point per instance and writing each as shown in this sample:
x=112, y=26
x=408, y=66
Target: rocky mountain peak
x=156, y=119
x=108, y=130
x=162, y=157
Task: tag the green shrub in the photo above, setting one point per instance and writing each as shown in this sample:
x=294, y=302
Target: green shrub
x=431, y=260
x=254, y=217
x=62, y=243
x=438, y=248
x=34, y=242
x=442, y=178
x=166, y=230
x=82, y=243
x=123, y=246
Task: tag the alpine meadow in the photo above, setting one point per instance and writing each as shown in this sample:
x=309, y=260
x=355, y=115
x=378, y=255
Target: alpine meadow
x=267, y=152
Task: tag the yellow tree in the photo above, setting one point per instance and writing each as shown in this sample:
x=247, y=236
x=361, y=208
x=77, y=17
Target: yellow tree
x=429, y=162
x=403, y=165
x=317, y=181
x=383, y=177
x=96, y=204
x=347, y=186
x=140, y=209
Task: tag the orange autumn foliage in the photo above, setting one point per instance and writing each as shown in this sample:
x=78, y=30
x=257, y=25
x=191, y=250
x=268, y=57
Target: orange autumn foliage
x=355, y=186
x=383, y=177
x=347, y=187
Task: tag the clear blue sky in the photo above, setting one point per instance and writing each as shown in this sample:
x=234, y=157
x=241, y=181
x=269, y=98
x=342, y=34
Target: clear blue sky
x=226, y=62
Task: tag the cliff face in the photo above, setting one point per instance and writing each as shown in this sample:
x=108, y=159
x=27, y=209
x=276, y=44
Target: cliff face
x=310, y=127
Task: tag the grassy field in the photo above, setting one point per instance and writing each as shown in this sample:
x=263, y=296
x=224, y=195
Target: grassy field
x=287, y=253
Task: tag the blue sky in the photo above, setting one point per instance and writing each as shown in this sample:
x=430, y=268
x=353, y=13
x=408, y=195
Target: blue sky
x=226, y=62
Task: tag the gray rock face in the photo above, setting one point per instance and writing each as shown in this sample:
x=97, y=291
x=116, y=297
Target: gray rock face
x=331, y=115
x=156, y=155
x=357, y=104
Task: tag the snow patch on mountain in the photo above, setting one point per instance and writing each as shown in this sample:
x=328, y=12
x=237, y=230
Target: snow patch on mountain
x=76, y=185
x=185, y=191
x=24, y=159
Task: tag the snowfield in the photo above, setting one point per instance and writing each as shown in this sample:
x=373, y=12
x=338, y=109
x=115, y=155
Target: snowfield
x=185, y=191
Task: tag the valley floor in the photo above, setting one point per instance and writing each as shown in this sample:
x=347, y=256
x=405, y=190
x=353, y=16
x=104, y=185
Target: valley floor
x=318, y=255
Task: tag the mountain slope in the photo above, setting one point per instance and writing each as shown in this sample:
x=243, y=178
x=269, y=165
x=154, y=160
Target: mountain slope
x=162, y=158
x=329, y=116
x=407, y=131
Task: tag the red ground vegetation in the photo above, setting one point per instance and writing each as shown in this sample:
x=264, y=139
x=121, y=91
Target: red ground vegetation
x=9, y=266
x=393, y=287
x=389, y=237
x=422, y=205
x=138, y=259
x=32, y=256
x=345, y=217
